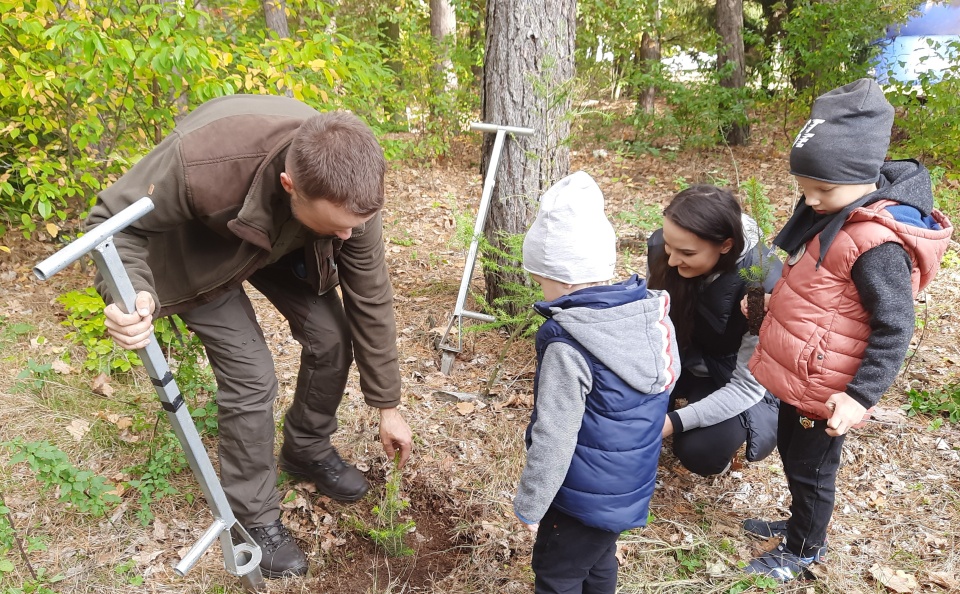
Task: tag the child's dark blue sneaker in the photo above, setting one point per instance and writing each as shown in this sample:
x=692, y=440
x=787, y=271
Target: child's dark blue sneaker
x=784, y=566
x=766, y=529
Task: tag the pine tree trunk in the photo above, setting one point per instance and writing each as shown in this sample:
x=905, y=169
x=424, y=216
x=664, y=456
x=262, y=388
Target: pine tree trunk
x=730, y=29
x=275, y=13
x=529, y=64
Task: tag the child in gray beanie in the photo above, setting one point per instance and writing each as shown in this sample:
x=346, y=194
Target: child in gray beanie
x=606, y=362
x=861, y=244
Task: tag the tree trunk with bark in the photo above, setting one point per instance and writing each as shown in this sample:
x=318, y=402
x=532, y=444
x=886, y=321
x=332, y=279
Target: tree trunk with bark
x=526, y=82
x=275, y=12
x=730, y=29
x=443, y=29
x=649, y=58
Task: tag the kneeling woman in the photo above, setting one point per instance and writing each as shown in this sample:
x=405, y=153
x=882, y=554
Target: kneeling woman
x=698, y=255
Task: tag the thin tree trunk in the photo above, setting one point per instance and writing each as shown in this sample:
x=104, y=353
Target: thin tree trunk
x=443, y=29
x=275, y=12
x=526, y=81
x=649, y=57
x=730, y=29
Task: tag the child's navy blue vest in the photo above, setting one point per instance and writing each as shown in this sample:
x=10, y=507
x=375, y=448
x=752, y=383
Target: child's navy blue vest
x=614, y=467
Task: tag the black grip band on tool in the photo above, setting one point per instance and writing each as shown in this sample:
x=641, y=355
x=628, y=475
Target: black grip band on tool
x=162, y=382
x=173, y=406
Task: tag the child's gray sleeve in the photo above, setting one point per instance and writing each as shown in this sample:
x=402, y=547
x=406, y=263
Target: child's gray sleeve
x=882, y=278
x=736, y=396
x=565, y=380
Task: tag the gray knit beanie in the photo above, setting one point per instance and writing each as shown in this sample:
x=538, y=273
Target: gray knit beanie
x=846, y=138
x=571, y=240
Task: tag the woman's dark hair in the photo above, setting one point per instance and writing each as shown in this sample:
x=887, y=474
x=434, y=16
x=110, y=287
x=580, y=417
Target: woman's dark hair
x=712, y=214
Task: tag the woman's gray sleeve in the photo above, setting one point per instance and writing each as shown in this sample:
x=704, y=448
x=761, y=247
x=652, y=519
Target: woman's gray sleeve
x=736, y=396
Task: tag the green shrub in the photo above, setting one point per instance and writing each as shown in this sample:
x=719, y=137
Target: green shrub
x=696, y=111
x=928, y=112
x=829, y=44
x=165, y=459
x=89, y=87
x=938, y=403
x=81, y=490
x=85, y=315
x=33, y=377
x=946, y=193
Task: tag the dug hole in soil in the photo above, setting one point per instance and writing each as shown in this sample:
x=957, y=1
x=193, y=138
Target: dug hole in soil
x=351, y=561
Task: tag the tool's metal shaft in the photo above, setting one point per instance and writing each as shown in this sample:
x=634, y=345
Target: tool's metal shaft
x=243, y=559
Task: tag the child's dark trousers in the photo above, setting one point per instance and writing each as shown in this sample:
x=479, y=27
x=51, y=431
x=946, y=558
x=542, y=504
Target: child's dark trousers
x=570, y=557
x=811, y=459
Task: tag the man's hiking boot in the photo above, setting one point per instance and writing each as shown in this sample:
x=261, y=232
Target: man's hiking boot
x=784, y=566
x=333, y=477
x=281, y=555
x=766, y=529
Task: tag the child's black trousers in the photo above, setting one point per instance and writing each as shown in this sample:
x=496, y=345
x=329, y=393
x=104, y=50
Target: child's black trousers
x=570, y=557
x=811, y=459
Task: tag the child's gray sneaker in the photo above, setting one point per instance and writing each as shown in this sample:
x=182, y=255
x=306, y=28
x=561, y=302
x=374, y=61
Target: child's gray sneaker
x=784, y=566
x=766, y=529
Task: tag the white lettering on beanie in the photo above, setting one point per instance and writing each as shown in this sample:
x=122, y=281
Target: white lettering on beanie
x=806, y=133
x=571, y=240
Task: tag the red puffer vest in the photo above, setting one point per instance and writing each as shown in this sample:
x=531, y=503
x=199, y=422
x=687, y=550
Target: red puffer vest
x=816, y=329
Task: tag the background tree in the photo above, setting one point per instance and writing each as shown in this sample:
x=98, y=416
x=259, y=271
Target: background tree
x=527, y=75
x=443, y=28
x=649, y=63
x=730, y=61
x=275, y=13
x=88, y=87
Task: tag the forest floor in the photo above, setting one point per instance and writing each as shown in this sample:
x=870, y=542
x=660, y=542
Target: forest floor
x=897, y=521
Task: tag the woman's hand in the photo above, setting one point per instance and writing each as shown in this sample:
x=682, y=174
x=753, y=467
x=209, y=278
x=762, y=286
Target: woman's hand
x=743, y=304
x=667, y=427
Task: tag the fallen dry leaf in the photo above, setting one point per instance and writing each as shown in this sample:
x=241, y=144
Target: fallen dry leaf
x=115, y=419
x=78, y=428
x=118, y=490
x=621, y=553
x=944, y=579
x=146, y=557
x=465, y=408
x=160, y=531
x=60, y=367
x=101, y=385
x=895, y=580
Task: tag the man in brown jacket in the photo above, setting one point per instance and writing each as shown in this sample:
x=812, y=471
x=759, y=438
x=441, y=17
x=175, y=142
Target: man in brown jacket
x=267, y=190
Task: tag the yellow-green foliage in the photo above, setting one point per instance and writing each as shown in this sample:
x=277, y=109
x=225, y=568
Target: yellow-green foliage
x=87, y=87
